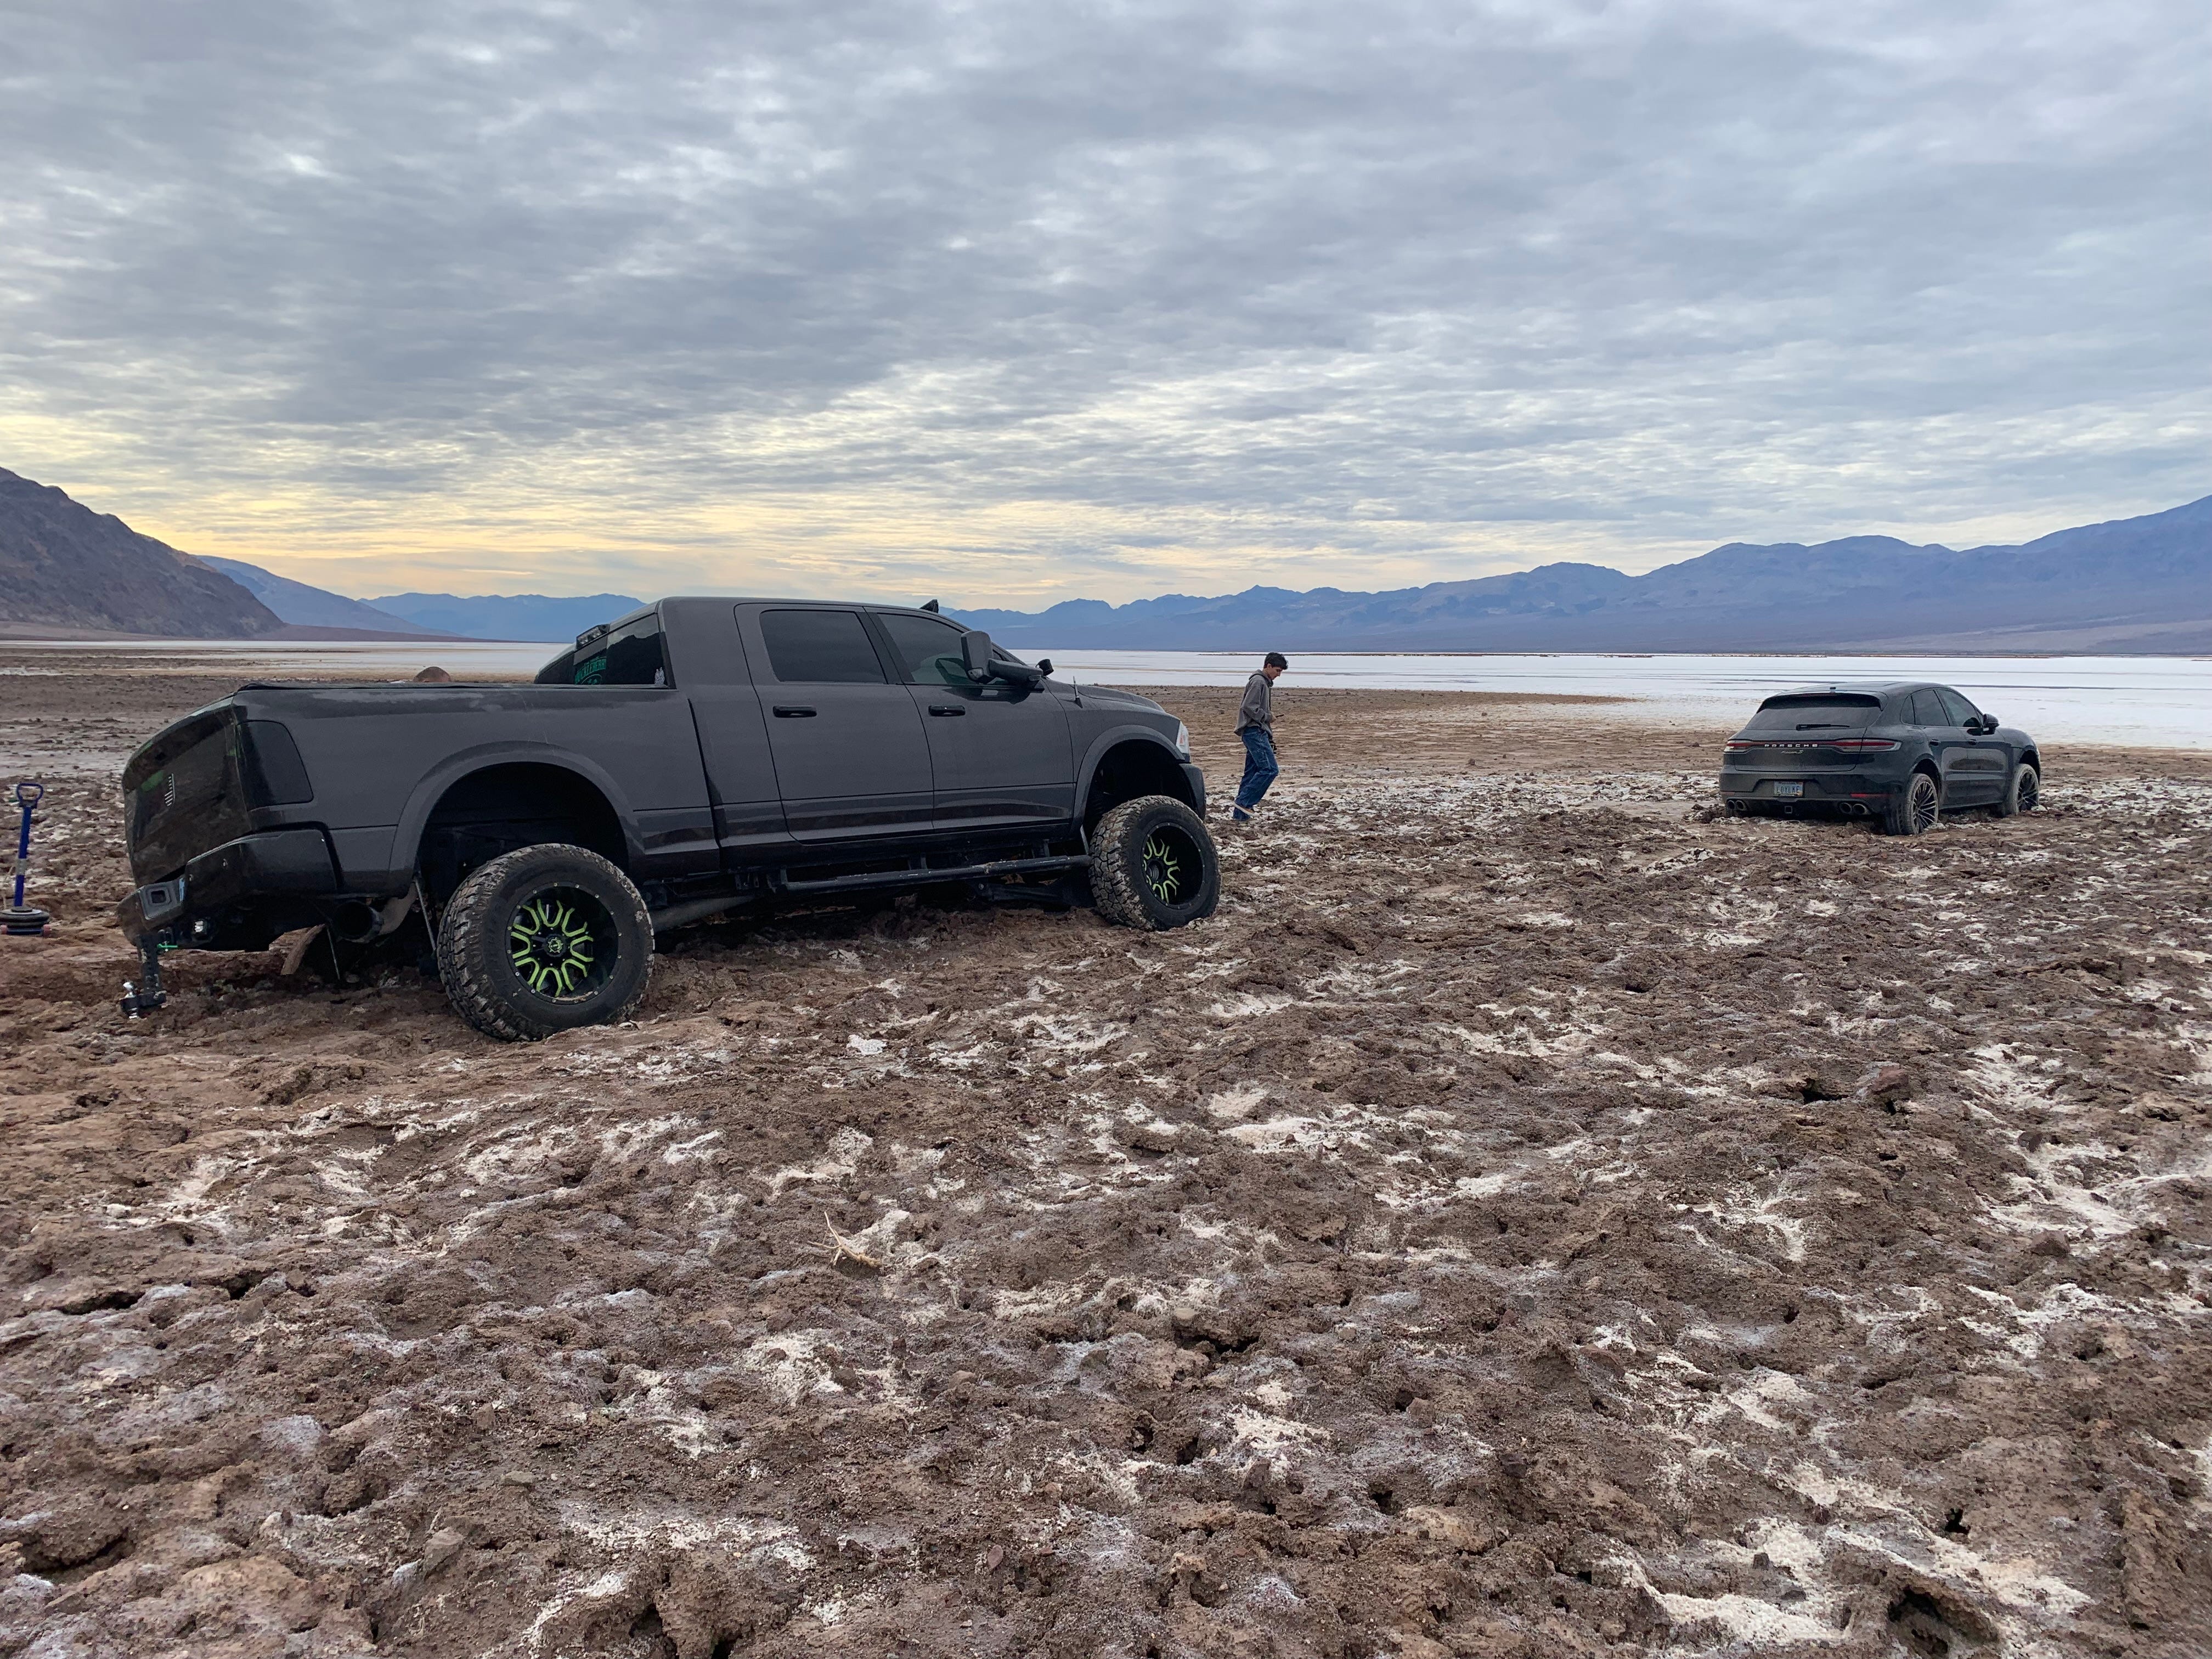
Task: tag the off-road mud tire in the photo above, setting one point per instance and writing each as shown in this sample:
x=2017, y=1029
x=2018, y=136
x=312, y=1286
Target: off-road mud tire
x=475, y=957
x=1913, y=811
x=2022, y=793
x=1123, y=887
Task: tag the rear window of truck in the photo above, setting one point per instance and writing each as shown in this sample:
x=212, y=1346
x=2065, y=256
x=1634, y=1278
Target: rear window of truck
x=633, y=655
x=822, y=647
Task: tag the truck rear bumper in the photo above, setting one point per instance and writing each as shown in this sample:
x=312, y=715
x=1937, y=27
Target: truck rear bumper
x=287, y=863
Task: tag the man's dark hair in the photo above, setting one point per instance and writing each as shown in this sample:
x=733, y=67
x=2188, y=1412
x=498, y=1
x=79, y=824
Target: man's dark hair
x=1276, y=660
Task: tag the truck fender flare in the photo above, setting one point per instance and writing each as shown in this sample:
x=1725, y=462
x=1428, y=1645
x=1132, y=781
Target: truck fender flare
x=415, y=818
x=1113, y=737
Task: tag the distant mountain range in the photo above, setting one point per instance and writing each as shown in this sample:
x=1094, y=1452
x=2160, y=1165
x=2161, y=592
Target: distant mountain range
x=428, y=615
x=300, y=605
x=524, y=617
x=2133, y=585
x=507, y=616
x=66, y=569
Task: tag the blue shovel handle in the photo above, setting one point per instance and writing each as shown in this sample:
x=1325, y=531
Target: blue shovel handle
x=28, y=794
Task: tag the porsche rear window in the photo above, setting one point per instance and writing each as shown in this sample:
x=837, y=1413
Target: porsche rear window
x=1832, y=712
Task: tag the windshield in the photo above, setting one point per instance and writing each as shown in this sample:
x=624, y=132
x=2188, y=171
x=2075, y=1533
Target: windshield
x=1815, y=712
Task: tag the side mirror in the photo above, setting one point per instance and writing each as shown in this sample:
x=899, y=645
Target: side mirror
x=1986, y=724
x=1019, y=672
x=975, y=654
x=1044, y=667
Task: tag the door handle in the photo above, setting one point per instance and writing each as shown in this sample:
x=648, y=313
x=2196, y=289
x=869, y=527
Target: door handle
x=785, y=711
x=947, y=708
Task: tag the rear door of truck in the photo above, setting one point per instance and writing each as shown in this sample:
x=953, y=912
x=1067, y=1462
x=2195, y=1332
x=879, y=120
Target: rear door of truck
x=726, y=706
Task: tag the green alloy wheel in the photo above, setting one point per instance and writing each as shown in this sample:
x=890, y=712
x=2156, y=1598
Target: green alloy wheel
x=1153, y=866
x=562, y=942
x=1172, y=864
x=544, y=939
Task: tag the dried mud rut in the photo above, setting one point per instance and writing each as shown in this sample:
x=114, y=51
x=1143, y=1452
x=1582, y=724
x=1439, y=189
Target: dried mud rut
x=1528, y=1219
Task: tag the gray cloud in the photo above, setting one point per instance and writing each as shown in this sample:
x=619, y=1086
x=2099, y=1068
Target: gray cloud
x=1020, y=301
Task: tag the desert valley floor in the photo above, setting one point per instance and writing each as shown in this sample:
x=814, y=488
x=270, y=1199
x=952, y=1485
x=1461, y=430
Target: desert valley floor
x=1531, y=1218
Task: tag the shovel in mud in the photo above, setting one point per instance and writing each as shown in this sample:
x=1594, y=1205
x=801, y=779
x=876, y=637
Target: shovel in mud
x=20, y=921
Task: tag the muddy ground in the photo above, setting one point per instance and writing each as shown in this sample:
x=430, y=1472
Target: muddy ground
x=1528, y=1219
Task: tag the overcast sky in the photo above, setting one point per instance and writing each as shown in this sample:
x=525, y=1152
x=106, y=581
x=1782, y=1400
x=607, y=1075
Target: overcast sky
x=1012, y=302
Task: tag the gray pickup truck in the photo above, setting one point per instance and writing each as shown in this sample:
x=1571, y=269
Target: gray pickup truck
x=696, y=758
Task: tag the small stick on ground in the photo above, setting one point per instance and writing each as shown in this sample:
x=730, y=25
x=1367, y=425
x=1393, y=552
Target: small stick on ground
x=842, y=1248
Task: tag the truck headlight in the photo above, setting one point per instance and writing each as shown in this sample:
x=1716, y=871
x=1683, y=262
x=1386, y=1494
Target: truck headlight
x=1182, y=741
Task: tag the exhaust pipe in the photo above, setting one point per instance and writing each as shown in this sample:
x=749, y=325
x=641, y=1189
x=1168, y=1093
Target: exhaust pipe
x=356, y=922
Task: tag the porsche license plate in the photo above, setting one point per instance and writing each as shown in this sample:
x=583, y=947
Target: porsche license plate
x=1789, y=791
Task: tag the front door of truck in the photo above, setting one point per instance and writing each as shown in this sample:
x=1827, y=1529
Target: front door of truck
x=851, y=759
x=1001, y=751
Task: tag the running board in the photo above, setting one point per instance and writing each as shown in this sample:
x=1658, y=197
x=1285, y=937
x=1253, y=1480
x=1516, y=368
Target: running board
x=919, y=875
x=927, y=875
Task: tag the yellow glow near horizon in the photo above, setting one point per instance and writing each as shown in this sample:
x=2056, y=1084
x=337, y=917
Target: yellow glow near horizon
x=559, y=524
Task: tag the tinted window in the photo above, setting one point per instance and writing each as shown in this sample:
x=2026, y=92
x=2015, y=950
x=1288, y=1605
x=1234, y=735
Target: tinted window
x=1928, y=709
x=1958, y=708
x=1811, y=714
x=628, y=656
x=926, y=651
x=815, y=646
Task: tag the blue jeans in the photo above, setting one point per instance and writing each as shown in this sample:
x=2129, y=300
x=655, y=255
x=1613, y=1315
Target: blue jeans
x=1259, y=768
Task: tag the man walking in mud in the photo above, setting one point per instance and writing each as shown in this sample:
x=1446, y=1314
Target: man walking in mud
x=1255, y=724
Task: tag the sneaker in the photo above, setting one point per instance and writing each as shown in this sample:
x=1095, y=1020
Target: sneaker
x=1240, y=816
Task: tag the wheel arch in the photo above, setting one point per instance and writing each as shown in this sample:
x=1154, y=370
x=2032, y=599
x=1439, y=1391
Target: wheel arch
x=1127, y=763
x=521, y=783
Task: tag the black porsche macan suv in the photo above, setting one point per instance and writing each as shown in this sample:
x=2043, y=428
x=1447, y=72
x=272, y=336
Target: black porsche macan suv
x=1901, y=753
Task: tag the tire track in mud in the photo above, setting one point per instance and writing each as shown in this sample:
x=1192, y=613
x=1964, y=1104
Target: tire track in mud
x=1514, y=1225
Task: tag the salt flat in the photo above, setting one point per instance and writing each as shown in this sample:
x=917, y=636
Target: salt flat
x=1531, y=1219
x=2151, y=701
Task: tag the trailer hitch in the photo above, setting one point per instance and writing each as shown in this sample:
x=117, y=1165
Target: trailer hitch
x=146, y=995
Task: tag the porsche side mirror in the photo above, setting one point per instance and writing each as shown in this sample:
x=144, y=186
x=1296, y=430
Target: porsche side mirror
x=1044, y=667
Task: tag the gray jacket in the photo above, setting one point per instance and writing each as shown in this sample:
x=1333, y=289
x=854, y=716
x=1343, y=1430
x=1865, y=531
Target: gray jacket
x=1258, y=706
